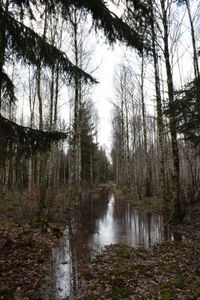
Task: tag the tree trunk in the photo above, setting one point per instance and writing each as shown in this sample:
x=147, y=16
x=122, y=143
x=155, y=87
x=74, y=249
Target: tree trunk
x=51, y=98
x=160, y=126
x=148, y=192
x=195, y=56
x=38, y=83
x=2, y=42
x=177, y=213
x=127, y=147
x=77, y=108
x=56, y=97
x=38, y=79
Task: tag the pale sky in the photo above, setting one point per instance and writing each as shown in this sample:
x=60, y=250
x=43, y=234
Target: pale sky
x=104, y=91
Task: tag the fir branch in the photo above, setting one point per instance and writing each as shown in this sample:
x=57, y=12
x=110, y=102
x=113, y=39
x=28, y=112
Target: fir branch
x=7, y=89
x=29, y=47
x=20, y=140
x=114, y=28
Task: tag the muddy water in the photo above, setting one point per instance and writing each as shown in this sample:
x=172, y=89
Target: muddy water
x=100, y=221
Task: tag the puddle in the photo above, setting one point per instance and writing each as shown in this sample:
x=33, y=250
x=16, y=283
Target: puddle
x=100, y=221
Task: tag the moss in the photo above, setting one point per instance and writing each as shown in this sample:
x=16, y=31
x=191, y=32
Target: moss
x=122, y=251
x=31, y=294
x=39, y=224
x=92, y=297
x=4, y=222
x=86, y=275
x=12, y=207
x=93, y=288
x=8, y=198
x=179, y=285
x=35, y=224
x=117, y=282
x=142, y=250
x=114, y=279
x=198, y=291
x=2, y=267
x=5, y=291
x=26, y=231
x=56, y=231
x=118, y=193
x=159, y=288
x=97, y=259
x=119, y=292
x=166, y=295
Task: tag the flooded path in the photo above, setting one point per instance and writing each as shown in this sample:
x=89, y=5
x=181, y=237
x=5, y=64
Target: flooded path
x=98, y=222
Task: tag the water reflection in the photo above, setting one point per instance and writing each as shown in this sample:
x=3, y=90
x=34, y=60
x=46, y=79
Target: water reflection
x=121, y=224
x=105, y=228
x=99, y=222
x=63, y=268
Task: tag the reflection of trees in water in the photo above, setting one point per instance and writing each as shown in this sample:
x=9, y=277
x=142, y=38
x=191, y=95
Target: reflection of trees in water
x=75, y=271
x=106, y=228
x=81, y=227
x=63, y=270
x=143, y=230
x=102, y=219
x=92, y=224
x=91, y=209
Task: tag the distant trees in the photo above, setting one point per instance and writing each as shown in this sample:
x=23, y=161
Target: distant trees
x=193, y=36
x=170, y=159
x=131, y=154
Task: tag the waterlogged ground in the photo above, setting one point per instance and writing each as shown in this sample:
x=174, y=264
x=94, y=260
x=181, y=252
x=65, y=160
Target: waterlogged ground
x=100, y=220
x=146, y=258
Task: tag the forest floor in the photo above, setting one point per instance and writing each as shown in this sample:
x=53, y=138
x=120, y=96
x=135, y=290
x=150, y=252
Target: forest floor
x=25, y=247
x=167, y=271
x=25, y=252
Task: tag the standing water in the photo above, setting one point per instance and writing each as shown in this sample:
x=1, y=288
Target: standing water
x=99, y=222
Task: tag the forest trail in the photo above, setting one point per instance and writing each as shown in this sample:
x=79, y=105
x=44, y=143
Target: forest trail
x=98, y=221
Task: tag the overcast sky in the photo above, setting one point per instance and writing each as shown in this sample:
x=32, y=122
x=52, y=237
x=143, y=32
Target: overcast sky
x=103, y=93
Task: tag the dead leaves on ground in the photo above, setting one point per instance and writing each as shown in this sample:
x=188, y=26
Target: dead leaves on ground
x=25, y=253
x=168, y=271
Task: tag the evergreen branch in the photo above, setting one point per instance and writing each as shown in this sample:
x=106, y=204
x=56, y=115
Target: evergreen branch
x=114, y=28
x=19, y=140
x=29, y=47
x=8, y=88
